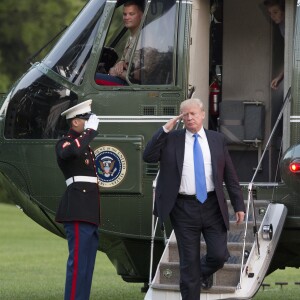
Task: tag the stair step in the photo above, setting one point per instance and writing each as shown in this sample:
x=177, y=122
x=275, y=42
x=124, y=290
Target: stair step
x=221, y=290
x=237, y=231
x=235, y=250
x=163, y=286
x=214, y=289
x=169, y=273
x=260, y=209
x=227, y=276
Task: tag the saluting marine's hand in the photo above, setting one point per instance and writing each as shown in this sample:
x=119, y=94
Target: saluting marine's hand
x=92, y=122
x=171, y=123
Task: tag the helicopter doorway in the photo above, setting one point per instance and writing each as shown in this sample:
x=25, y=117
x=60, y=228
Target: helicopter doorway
x=246, y=51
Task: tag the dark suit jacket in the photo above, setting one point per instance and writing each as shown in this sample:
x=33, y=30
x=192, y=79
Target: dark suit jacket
x=168, y=149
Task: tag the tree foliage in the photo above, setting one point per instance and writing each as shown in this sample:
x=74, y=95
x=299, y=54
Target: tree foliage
x=27, y=25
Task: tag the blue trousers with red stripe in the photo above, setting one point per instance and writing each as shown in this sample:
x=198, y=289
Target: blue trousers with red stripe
x=83, y=244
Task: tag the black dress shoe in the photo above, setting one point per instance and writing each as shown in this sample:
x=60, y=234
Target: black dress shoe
x=207, y=282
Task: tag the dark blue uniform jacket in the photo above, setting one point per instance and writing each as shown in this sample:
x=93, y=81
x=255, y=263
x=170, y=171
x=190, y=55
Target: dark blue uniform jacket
x=80, y=201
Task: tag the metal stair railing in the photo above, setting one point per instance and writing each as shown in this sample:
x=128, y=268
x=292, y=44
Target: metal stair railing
x=250, y=189
x=153, y=230
x=154, y=224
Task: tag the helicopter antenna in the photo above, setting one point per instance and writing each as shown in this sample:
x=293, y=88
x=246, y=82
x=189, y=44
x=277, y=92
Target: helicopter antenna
x=29, y=59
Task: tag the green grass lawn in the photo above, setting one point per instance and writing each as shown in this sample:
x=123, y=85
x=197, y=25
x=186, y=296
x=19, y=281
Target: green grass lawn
x=275, y=292
x=32, y=266
x=33, y=260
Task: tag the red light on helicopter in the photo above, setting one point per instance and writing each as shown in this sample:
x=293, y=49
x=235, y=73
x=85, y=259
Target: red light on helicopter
x=295, y=167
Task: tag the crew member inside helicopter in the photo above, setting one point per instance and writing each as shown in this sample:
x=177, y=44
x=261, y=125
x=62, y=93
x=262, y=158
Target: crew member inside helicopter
x=276, y=10
x=132, y=16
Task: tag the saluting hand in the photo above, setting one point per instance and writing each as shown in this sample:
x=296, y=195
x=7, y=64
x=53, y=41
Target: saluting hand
x=92, y=122
x=171, y=123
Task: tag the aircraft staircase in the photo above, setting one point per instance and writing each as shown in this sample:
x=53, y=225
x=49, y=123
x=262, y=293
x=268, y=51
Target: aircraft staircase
x=250, y=251
x=251, y=246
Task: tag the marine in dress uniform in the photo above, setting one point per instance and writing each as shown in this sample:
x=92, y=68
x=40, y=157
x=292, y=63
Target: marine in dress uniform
x=79, y=208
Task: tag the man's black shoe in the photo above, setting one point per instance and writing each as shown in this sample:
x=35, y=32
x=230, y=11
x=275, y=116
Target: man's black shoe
x=207, y=282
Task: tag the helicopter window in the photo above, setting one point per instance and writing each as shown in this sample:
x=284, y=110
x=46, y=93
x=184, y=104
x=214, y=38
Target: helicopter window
x=35, y=107
x=119, y=42
x=151, y=62
x=71, y=54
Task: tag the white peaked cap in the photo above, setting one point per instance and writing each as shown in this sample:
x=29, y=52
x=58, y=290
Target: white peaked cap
x=79, y=109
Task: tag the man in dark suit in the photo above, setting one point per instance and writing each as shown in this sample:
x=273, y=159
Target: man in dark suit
x=79, y=208
x=178, y=194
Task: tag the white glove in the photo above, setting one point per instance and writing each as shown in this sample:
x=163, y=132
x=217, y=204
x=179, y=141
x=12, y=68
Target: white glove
x=92, y=122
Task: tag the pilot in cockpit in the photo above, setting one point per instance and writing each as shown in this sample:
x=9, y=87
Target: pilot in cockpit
x=132, y=16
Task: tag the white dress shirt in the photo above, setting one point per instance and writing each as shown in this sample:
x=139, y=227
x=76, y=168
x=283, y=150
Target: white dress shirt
x=188, y=185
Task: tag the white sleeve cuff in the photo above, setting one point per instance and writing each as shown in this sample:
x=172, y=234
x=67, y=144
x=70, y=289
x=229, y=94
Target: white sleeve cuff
x=165, y=130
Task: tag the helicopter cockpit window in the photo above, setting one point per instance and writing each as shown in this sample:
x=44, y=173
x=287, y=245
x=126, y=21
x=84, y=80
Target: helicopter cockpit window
x=153, y=58
x=35, y=107
x=152, y=55
x=70, y=56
